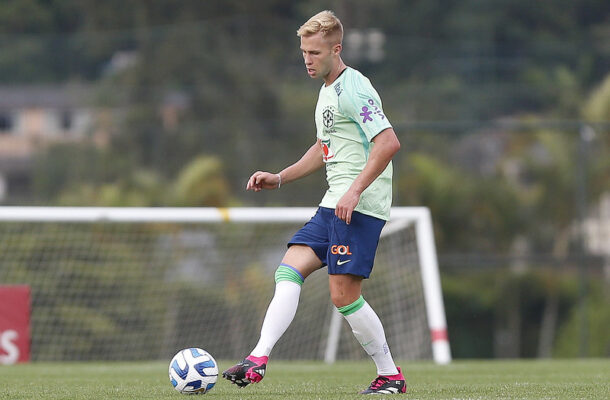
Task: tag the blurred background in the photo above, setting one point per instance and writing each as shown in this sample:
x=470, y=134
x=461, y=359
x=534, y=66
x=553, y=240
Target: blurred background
x=502, y=108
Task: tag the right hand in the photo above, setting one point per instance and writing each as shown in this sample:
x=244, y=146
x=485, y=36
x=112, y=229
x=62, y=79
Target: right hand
x=262, y=180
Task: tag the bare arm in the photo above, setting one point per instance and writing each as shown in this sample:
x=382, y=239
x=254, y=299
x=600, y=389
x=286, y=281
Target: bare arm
x=310, y=162
x=386, y=145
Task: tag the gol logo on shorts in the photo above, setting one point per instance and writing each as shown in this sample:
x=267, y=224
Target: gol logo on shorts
x=340, y=249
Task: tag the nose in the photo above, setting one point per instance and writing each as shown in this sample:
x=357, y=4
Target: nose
x=307, y=59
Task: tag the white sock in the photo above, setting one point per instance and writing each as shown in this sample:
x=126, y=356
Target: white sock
x=280, y=314
x=368, y=330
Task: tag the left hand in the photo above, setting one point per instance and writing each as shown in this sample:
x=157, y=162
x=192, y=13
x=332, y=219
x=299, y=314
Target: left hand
x=345, y=206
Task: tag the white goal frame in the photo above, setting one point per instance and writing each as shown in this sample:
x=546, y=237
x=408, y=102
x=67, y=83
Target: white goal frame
x=400, y=217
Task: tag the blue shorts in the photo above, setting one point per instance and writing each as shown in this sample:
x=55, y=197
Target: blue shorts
x=345, y=249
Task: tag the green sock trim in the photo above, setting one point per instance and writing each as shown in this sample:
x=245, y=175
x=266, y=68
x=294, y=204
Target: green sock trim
x=286, y=273
x=352, y=308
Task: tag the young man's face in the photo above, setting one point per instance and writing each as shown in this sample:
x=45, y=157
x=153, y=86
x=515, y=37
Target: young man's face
x=319, y=55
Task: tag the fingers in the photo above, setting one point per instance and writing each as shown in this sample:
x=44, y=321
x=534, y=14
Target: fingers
x=262, y=180
x=255, y=182
x=346, y=205
x=344, y=214
x=250, y=183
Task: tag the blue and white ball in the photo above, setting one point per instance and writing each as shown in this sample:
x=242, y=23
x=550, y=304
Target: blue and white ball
x=193, y=371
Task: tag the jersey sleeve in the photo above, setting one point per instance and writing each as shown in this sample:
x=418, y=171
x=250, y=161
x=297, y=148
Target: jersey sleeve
x=361, y=103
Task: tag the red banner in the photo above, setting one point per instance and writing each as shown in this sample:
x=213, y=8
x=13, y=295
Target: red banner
x=14, y=324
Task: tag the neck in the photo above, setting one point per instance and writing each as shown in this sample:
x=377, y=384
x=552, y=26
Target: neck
x=335, y=72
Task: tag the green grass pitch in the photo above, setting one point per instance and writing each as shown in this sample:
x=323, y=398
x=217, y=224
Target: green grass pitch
x=564, y=379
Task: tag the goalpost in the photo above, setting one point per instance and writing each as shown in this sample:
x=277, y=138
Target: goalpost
x=141, y=283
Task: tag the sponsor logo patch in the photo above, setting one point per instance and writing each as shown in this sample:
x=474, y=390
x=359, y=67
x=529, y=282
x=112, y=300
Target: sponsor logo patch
x=340, y=249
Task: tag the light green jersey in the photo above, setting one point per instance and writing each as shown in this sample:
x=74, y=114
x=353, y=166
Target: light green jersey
x=348, y=117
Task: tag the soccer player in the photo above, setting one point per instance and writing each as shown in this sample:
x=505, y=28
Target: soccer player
x=356, y=143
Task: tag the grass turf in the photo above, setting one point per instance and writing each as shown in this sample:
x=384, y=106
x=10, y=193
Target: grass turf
x=556, y=379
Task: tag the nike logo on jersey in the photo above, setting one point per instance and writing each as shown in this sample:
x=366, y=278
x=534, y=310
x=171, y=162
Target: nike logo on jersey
x=343, y=262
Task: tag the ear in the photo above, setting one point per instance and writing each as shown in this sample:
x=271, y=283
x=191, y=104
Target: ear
x=337, y=49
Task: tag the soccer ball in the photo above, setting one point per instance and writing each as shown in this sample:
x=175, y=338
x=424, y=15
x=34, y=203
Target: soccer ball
x=193, y=371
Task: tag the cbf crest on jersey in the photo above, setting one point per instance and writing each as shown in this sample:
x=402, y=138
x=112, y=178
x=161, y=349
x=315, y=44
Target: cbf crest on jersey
x=328, y=117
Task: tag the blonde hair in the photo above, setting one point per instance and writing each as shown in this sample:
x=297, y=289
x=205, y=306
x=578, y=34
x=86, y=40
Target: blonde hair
x=325, y=22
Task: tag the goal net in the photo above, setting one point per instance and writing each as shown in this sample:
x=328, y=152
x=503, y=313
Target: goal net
x=142, y=283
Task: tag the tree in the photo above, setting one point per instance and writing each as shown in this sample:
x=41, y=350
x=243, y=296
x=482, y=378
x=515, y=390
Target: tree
x=470, y=213
x=201, y=183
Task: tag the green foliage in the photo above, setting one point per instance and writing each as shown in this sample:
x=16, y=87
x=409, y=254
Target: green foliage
x=245, y=96
x=61, y=166
x=139, y=189
x=469, y=305
x=595, y=324
x=547, y=186
x=78, y=175
x=597, y=107
x=461, y=202
x=479, y=302
x=201, y=183
x=25, y=16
